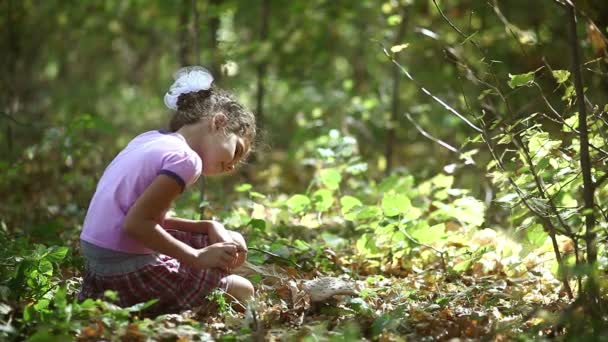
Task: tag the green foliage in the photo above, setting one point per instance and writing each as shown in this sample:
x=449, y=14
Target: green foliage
x=29, y=271
x=521, y=79
x=322, y=203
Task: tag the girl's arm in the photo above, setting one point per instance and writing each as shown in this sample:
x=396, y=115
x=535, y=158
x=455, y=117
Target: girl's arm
x=193, y=226
x=216, y=230
x=142, y=223
x=185, y=225
x=142, y=220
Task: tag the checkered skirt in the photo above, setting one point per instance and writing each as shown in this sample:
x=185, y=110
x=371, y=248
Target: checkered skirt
x=177, y=286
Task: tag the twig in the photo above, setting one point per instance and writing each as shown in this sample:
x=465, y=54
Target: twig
x=548, y=225
x=440, y=252
x=234, y=299
x=274, y=256
x=425, y=91
x=600, y=180
x=467, y=38
x=427, y=135
x=588, y=186
x=562, y=121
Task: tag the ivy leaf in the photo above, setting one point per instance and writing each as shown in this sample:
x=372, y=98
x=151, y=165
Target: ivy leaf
x=521, y=79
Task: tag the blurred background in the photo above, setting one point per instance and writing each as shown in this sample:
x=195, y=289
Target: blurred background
x=81, y=78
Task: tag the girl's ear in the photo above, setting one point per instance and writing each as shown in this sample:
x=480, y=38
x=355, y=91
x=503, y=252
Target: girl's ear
x=219, y=121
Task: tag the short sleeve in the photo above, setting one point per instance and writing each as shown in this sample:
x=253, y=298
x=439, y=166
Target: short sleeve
x=185, y=167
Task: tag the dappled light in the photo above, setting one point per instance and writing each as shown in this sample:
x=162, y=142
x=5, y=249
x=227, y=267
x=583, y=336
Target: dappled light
x=417, y=170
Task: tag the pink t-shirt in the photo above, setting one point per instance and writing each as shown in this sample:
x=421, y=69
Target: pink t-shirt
x=125, y=179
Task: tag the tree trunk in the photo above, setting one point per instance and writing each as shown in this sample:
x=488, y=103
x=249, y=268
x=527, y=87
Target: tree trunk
x=195, y=30
x=213, y=22
x=261, y=68
x=10, y=98
x=390, y=134
x=184, y=50
x=588, y=186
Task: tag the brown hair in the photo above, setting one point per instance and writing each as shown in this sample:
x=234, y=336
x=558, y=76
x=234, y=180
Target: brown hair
x=192, y=107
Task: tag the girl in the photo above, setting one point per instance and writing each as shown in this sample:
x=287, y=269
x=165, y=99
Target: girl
x=128, y=243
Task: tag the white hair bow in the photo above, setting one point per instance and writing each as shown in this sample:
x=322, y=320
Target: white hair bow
x=187, y=80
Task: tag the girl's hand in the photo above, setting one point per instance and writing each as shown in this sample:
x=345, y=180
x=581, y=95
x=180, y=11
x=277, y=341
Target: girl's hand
x=217, y=232
x=242, y=248
x=219, y=255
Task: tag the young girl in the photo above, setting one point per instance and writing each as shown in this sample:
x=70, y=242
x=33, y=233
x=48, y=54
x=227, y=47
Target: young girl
x=130, y=246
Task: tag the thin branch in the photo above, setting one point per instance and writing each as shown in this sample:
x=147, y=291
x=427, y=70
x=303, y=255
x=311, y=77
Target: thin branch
x=414, y=240
x=600, y=180
x=583, y=138
x=540, y=187
x=428, y=136
x=549, y=227
x=467, y=38
x=424, y=90
x=236, y=301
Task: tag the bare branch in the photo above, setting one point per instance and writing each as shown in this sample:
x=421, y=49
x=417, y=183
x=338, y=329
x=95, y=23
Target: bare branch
x=427, y=135
x=424, y=90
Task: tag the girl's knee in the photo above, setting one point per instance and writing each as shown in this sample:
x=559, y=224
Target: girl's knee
x=240, y=288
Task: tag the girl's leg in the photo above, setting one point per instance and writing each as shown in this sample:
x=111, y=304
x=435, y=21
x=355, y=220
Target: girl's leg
x=240, y=288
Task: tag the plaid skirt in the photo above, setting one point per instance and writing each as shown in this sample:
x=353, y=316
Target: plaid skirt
x=177, y=286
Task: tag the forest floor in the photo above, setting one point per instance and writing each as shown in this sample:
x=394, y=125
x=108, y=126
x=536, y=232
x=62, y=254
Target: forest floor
x=500, y=296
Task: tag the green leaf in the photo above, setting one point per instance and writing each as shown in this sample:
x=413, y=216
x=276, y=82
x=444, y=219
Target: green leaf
x=536, y=235
x=561, y=76
x=57, y=254
x=112, y=295
x=463, y=265
x=425, y=234
x=395, y=204
x=331, y=178
x=397, y=48
x=368, y=212
x=348, y=203
x=255, y=194
x=568, y=92
x=42, y=304
x=45, y=267
x=570, y=122
x=394, y=20
x=243, y=187
x=366, y=245
x=521, y=79
x=142, y=306
x=540, y=145
x=298, y=203
x=323, y=199
x=258, y=224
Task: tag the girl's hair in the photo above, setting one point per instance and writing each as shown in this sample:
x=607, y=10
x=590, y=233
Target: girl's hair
x=192, y=107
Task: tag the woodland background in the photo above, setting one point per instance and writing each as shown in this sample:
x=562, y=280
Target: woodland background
x=428, y=154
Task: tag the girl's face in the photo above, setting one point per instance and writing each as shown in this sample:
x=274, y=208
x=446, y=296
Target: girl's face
x=220, y=151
